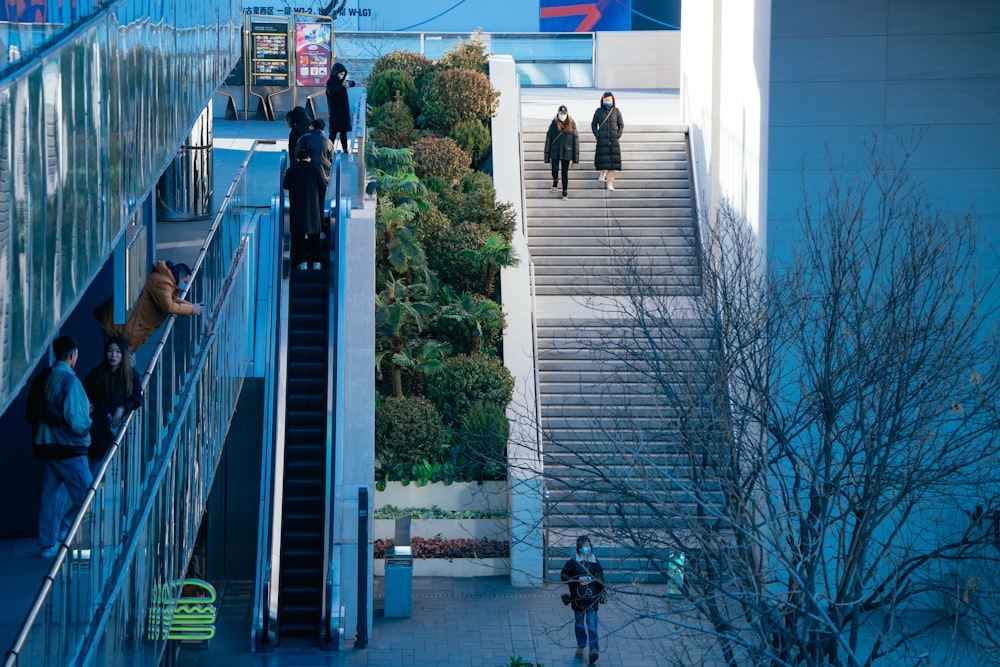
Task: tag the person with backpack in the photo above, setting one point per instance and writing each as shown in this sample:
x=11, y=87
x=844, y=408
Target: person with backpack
x=562, y=146
x=61, y=440
x=585, y=576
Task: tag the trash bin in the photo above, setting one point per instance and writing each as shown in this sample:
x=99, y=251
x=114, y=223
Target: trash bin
x=399, y=573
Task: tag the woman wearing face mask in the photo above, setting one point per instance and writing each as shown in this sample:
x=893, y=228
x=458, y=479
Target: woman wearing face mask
x=114, y=390
x=338, y=104
x=585, y=576
x=562, y=145
x=607, y=127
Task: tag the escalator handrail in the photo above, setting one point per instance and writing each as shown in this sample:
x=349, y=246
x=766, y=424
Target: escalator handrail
x=333, y=416
x=271, y=489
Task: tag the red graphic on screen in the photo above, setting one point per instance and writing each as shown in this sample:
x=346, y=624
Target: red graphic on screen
x=589, y=13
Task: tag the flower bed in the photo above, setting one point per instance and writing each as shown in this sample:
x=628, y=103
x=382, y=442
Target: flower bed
x=441, y=557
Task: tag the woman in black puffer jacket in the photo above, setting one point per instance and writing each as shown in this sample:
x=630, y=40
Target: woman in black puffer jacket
x=607, y=127
x=562, y=146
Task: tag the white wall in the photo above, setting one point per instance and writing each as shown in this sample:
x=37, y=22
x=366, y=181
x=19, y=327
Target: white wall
x=724, y=97
x=644, y=59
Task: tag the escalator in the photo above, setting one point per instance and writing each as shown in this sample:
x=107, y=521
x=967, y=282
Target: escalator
x=303, y=568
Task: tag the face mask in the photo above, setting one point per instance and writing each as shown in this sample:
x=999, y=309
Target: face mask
x=607, y=105
x=584, y=551
x=562, y=117
x=182, y=285
x=342, y=75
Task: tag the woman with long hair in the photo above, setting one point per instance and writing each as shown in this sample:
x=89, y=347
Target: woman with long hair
x=114, y=390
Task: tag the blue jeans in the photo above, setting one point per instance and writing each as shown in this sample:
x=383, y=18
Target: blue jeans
x=74, y=474
x=585, y=622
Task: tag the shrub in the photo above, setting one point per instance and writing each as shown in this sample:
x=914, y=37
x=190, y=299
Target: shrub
x=408, y=430
x=440, y=156
x=392, y=125
x=437, y=184
x=410, y=62
x=451, y=96
x=473, y=138
x=479, y=207
x=469, y=55
x=443, y=254
x=477, y=181
x=431, y=224
x=481, y=442
x=467, y=381
x=387, y=84
x=459, y=333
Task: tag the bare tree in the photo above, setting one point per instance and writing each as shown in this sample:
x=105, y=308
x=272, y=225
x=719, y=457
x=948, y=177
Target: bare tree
x=814, y=437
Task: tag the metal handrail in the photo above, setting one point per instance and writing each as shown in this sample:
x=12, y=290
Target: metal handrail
x=133, y=516
x=362, y=124
x=265, y=614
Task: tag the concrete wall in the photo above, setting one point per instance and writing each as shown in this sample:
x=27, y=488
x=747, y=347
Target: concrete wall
x=844, y=72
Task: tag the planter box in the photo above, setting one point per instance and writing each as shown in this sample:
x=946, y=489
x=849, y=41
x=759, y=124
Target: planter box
x=456, y=567
x=493, y=529
x=487, y=497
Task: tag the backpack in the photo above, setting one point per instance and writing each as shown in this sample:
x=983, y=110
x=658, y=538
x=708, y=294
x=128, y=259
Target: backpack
x=39, y=408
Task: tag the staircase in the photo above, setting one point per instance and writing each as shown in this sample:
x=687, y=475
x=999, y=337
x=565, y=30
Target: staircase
x=609, y=427
x=303, y=569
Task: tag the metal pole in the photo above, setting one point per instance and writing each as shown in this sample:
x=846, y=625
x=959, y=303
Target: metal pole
x=361, y=638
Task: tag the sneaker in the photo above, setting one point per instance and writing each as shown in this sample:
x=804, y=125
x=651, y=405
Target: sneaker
x=317, y=266
x=593, y=657
x=609, y=186
x=579, y=652
x=565, y=196
x=50, y=551
x=601, y=176
x=554, y=189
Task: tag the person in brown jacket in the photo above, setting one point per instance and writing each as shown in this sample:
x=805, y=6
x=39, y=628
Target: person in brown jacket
x=160, y=298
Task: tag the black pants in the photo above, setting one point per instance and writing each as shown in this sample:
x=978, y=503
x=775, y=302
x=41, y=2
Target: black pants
x=565, y=173
x=305, y=248
x=343, y=138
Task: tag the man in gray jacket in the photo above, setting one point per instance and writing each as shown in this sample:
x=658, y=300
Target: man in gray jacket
x=61, y=444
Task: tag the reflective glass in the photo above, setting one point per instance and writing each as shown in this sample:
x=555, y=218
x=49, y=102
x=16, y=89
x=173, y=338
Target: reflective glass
x=85, y=129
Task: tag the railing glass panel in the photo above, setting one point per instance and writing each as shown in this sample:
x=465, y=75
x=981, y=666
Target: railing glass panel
x=113, y=587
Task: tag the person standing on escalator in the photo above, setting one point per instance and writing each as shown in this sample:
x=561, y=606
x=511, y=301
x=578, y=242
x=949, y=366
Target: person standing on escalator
x=304, y=182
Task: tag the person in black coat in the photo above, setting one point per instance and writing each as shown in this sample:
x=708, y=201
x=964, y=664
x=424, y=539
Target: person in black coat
x=114, y=389
x=607, y=127
x=562, y=145
x=320, y=150
x=338, y=103
x=585, y=576
x=303, y=180
x=298, y=122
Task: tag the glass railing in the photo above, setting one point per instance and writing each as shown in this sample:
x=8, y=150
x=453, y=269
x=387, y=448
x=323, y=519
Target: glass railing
x=84, y=134
x=541, y=59
x=110, y=594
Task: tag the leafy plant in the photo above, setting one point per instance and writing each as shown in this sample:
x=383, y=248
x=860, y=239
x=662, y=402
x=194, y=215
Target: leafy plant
x=408, y=430
x=473, y=138
x=477, y=181
x=392, y=125
x=441, y=157
x=453, y=95
x=390, y=173
x=388, y=85
x=434, y=512
x=493, y=255
x=466, y=381
x=400, y=310
x=439, y=547
x=481, y=442
x=476, y=313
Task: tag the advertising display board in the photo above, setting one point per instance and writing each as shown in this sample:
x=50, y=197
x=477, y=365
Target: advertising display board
x=313, y=52
x=269, y=54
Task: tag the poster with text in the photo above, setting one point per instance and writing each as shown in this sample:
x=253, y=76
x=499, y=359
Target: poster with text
x=313, y=53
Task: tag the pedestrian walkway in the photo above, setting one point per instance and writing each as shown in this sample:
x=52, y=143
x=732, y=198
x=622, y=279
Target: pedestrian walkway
x=474, y=622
